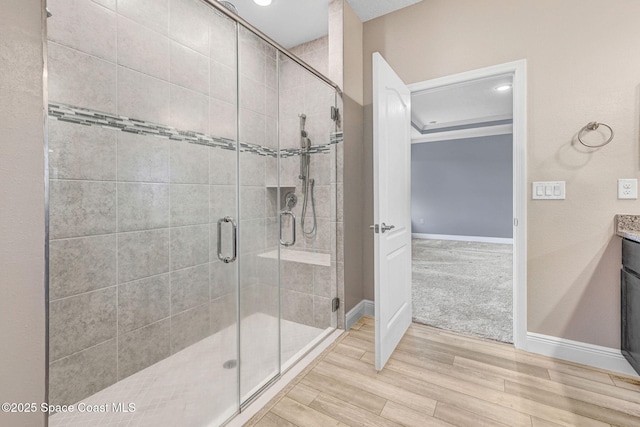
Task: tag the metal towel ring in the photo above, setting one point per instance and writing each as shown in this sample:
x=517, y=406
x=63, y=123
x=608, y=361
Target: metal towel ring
x=593, y=126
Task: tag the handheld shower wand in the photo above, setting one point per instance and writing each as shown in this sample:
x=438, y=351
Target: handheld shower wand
x=305, y=166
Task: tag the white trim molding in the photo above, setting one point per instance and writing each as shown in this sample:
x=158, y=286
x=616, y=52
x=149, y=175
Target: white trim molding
x=461, y=134
x=363, y=308
x=481, y=239
x=592, y=355
x=517, y=69
x=596, y=356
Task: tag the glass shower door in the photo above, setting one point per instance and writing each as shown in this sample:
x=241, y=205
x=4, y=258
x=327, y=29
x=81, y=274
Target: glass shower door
x=258, y=190
x=288, y=212
x=308, y=187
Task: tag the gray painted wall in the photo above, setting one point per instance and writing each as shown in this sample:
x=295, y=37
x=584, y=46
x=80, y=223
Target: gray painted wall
x=22, y=195
x=463, y=187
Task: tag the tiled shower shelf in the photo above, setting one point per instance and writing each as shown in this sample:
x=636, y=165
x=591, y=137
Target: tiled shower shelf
x=299, y=256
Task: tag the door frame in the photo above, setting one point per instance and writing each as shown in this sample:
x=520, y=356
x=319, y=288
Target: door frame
x=518, y=69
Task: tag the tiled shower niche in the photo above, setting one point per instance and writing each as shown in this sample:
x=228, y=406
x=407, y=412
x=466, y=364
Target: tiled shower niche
x=144, y=118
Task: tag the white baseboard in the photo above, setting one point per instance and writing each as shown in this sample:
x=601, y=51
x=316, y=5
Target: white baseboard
x=504, y=240
x=363, y=308
x=596, y=356
x=578, y=352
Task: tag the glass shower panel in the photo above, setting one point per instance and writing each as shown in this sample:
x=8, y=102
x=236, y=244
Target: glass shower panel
x=259, y=308
x=142, y=131
x=308, y=171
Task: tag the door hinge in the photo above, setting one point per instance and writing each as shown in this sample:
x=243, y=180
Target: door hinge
x=335, y=113
x=335, y=304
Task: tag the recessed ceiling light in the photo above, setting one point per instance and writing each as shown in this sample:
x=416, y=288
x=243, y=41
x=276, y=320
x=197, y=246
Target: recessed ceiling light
x=262, y=2
x=502, y=88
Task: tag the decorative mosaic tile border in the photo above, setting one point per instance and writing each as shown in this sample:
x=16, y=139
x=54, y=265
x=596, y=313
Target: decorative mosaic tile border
x=336, y=138
x=86, y=117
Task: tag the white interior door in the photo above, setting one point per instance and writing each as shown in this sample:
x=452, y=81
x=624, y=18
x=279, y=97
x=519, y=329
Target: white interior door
x=392, y=207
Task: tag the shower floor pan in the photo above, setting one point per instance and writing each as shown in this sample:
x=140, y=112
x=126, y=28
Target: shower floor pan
x=193, y=387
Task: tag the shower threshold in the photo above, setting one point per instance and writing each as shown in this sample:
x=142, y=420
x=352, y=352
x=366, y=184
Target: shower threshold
x=289, y=362
x=192, y=387
x=295, y=369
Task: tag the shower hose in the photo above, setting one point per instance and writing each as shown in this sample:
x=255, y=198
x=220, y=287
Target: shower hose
x=313, y=230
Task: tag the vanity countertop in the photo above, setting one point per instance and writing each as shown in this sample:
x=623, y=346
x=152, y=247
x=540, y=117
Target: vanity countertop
x=628, y=226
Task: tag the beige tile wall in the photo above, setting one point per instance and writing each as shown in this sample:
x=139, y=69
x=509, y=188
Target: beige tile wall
x=134, y=271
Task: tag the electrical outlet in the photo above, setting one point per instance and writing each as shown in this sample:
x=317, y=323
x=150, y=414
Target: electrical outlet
x=627, y=188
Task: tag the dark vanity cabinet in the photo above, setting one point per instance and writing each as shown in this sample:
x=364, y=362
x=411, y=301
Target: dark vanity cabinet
x=630, y=280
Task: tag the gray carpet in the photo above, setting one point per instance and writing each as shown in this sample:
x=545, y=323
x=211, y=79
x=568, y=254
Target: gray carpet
x=464, y=287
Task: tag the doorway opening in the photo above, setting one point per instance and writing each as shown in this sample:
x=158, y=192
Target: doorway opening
x=468, y=197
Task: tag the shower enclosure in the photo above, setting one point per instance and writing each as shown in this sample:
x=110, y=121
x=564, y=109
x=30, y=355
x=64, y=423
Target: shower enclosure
x=174, y=137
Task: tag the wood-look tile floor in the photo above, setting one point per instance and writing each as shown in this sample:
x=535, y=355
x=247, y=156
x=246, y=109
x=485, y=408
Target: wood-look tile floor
x=440, y=378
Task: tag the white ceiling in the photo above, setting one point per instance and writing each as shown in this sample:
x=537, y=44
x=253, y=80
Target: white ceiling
x=293, y=22
x=473, y=103
x=370, y=9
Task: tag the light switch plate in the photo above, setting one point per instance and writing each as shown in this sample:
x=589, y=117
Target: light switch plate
x=548, y=190
x=627, y=188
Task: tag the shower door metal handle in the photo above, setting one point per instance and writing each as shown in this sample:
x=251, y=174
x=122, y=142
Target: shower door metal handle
x=293, y=223
x=234, y=240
